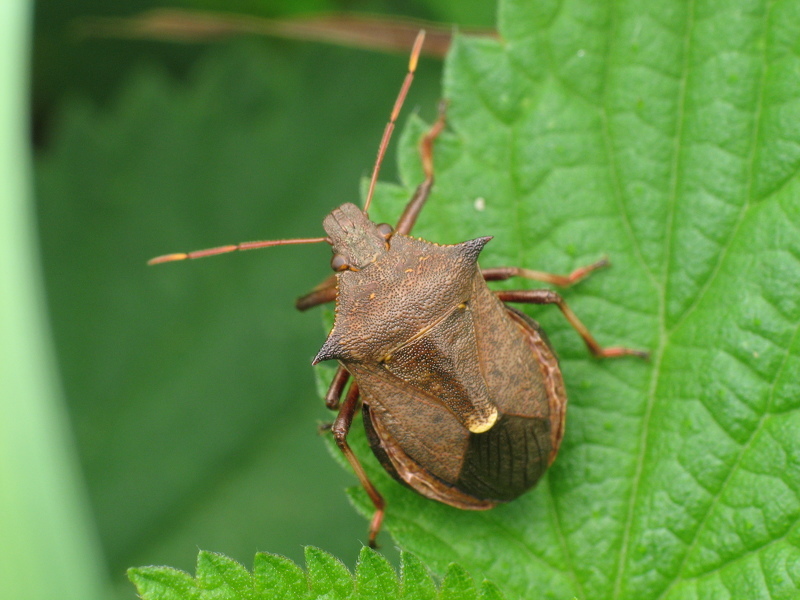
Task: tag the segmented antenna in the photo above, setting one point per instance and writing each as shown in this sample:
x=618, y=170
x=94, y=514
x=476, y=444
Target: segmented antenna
x=387, y=133
x=232, y=248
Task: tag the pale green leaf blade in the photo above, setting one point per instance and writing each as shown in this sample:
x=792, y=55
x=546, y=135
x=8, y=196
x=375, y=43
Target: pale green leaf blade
x=49, y=545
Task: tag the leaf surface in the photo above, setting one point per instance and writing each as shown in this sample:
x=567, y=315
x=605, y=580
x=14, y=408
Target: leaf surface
x=665, y=136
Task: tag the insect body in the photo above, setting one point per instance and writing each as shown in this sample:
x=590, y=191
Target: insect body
x=464, y=401
x=462, y=395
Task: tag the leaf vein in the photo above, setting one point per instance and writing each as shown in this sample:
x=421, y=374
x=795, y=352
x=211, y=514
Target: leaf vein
x=556, y=519
x=751, y=160
x=717, y=497
x=659, y=354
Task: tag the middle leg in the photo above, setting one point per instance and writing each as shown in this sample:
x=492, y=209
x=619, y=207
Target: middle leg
x=503, y=273
x=551, y=297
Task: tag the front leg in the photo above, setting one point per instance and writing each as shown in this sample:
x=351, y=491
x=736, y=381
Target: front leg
x=322, y=294
x=340, y=429
x=333, y=398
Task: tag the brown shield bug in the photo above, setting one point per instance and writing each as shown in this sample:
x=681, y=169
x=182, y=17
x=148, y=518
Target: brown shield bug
x=462, y=395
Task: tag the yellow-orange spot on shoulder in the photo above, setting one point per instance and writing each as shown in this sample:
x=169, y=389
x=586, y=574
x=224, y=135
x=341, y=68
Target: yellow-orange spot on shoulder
x=372, y=296
x=421, y=258
x=409, y=270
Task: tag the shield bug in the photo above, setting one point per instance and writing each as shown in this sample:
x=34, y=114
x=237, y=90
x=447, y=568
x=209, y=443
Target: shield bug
x=462, y=395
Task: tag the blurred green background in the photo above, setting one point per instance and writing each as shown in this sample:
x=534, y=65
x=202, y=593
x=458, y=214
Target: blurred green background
x=188, y=387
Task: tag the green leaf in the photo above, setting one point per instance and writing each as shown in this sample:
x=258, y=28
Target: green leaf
x=275, y=577
x=327, y=576
x=667, y=137
x=164, y=583
x=224, y=576
x=489, y=591
x=375, y=577
x=457, y=585
x=417, y=582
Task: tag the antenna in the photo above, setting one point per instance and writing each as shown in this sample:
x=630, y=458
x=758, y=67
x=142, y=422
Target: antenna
x=387, y=135
x=387, y=132
x=232, y=248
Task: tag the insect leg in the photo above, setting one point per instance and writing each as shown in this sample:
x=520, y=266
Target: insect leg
x=322, y=294
x=340, y=429
x=414, y=206
x=503, y=273
x=333, y=398
x=550, y=297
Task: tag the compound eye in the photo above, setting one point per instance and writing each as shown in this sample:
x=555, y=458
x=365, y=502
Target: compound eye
x=339, y=263
x=385, y=230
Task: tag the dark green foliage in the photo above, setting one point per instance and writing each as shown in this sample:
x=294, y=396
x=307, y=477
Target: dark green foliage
x=189, y=384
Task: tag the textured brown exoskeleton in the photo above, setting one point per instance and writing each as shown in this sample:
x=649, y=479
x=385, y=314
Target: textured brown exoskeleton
x=462, y=395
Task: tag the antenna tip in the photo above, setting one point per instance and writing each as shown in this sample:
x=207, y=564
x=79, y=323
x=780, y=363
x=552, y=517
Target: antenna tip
x=167, y=258
x=415, y=50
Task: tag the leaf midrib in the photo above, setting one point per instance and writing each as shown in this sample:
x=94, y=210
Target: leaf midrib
x=757, y=114
x=662, y=308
